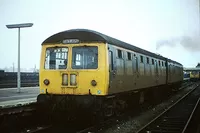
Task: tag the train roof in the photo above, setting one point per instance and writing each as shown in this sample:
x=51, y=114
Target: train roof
x=191, y=69
x=85, y=35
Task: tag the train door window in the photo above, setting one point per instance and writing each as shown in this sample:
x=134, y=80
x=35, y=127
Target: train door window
x=162, y=63
x=111, y=60
x=141, y=59
x=152, y=61
x=129, y=56
x=147, y=60
x=119, y=53
x=159, y=63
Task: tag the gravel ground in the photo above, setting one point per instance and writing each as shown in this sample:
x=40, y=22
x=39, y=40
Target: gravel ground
x=135, y=123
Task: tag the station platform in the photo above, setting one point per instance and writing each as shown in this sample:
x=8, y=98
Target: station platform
x=11, y=97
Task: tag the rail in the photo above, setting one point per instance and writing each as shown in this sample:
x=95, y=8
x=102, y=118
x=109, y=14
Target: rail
x=176, y=117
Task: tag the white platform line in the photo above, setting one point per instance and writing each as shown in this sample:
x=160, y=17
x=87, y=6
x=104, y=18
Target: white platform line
x=21, y=88
x=20, y=101
x=19, y=96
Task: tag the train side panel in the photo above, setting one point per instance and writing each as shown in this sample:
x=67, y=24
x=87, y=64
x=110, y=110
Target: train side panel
x=131, y=70
x=175, y=73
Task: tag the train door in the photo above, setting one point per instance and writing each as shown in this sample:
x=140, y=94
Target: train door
x=135, y=69
x=166, y=71
x=156, y=71
x=169, y=73
x=112, y=68
x=199, y=75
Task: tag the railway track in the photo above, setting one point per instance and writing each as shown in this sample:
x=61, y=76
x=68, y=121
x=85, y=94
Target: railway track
x=108, y=123
x=18, y=118
x=175, y=119
x=30, y=121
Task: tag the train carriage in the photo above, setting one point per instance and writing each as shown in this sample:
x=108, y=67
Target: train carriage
x=87, y=68
x=194, y=75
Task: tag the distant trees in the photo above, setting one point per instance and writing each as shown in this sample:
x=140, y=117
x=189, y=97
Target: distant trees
x=198, y=65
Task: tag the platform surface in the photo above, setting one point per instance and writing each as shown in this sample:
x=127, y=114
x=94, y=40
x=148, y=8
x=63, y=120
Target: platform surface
x=11, y=96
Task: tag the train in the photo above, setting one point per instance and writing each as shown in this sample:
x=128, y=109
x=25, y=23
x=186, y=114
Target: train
x=9, y=79
x=194, y=75
x=186, y=76
x=82, y=69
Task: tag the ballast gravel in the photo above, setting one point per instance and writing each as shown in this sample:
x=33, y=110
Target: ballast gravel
x=135, y=123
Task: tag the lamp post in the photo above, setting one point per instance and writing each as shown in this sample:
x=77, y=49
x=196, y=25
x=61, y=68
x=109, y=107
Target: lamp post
x=12, y=26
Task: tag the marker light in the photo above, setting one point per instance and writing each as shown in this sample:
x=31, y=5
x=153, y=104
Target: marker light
x=65, y=79
x=93, y=83
x=72, y=79
x=46, y=82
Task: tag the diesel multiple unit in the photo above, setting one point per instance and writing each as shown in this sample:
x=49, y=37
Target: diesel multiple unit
x=86, y=69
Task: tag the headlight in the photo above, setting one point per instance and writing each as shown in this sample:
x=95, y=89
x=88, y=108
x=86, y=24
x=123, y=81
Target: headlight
x=65, y=79
x=93, y=83
x=72, y=79
x=46, y=82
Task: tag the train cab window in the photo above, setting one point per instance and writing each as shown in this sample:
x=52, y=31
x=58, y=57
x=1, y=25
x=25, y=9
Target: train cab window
x=56, y=58
x=152, y=61
x=119, y=53
x=159, y=63
x=85, y=57
x=141, y=59
x=129, y=56
x=147, y=60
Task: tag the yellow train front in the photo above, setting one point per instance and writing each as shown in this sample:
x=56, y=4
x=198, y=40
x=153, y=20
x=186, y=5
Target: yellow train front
x=73, y=71
x=84, y=69
x=194, y=75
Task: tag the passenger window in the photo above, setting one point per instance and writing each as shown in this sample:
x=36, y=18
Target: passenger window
x=147, y=60
x=159, y=63
x=162, y=63
x=141, y=58
x=152, y=61
x=129, y=55
x=119, y=52
x=111, y=60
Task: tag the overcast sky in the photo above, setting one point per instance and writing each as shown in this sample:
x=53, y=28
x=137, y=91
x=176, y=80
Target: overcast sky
x=139, y=22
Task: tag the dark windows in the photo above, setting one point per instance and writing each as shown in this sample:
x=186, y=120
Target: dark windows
x=159, y=63
x=141, y=59
x=152, y=61
x=147, y=60
x=85, y=57
x=56, y=58
x=129, y=56
x=119, y=53
x=162, y=63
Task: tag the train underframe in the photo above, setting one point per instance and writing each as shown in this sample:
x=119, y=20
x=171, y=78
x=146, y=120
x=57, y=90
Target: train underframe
x=101, y=107
x=194, y=79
